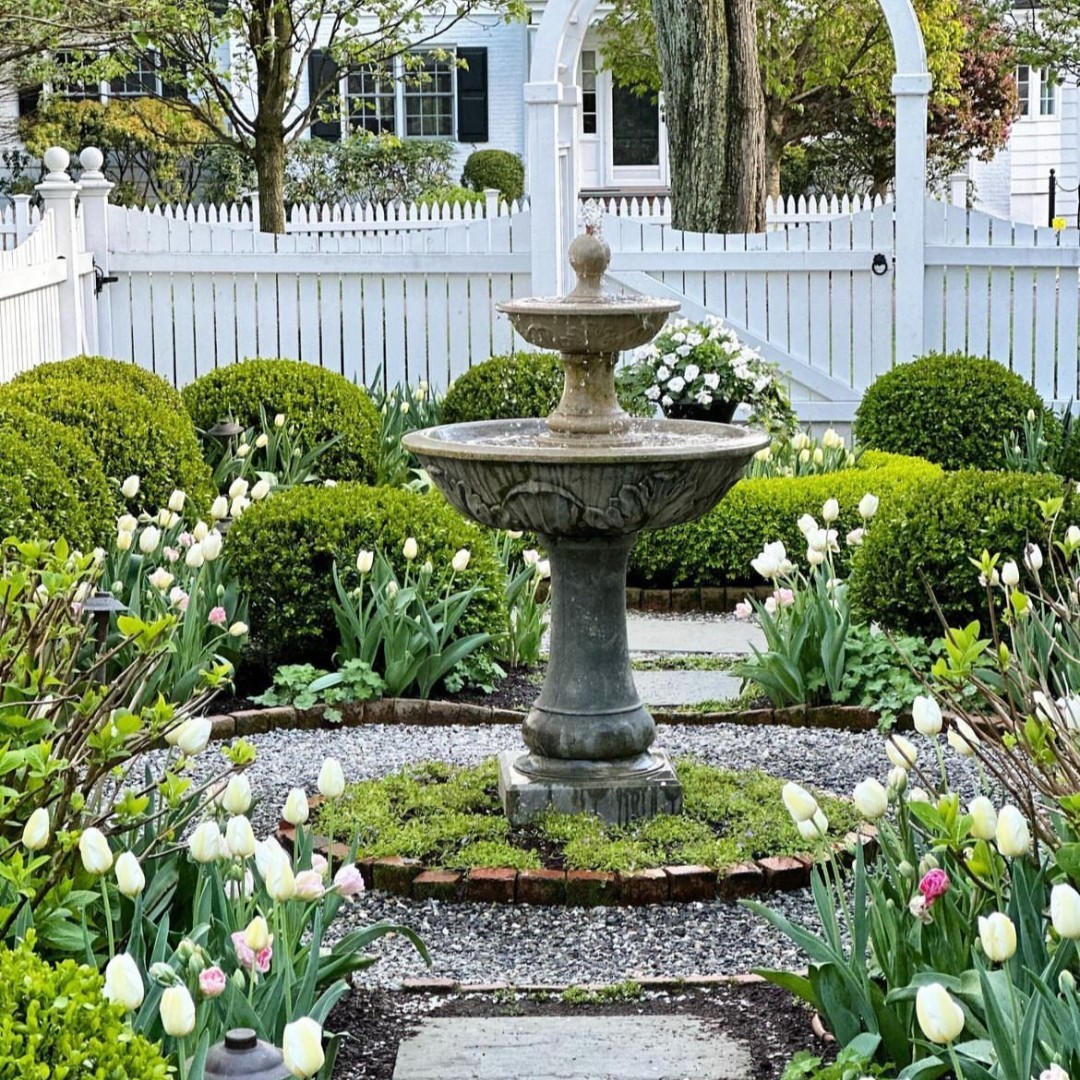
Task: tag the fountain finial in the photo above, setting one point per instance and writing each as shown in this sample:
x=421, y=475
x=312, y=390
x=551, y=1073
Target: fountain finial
x=589, y=257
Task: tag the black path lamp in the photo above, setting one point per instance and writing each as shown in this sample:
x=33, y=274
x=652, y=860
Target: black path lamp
x=243, y=1055
x=100, y=607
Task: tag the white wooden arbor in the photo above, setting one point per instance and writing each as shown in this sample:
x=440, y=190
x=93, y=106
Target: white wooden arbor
x=552, y=132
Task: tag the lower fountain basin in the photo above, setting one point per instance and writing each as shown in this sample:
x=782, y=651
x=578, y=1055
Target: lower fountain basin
x=520, y=475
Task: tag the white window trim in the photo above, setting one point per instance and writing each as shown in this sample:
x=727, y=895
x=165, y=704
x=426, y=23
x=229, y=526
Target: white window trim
x=400, y=120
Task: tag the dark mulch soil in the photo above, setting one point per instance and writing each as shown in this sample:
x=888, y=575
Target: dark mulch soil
x=769, y=1021
x=517, y=691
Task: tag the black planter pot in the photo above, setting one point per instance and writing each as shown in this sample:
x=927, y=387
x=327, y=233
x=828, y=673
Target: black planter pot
x=719, y=412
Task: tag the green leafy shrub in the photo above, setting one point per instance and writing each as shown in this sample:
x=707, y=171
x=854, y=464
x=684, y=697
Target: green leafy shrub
x=495, y=169
x=76, y=500
x=927, y=539
x=320, y=403
x=951, y=409
x=55, y=1021
x=283, y=552
x=128, y=432
x=123, y=374
x=717, y=549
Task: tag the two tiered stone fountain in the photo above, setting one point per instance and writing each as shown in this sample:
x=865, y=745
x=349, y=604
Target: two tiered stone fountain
x=587, y=480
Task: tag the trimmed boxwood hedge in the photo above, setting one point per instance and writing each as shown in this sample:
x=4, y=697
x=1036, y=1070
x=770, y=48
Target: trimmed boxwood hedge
x=84, y=479
x=495, y=169
x=929, y=536
x=129, y=433
x=283, y=550
x=321, y=403
x=952, y=409
x=716, y=550
x=124, y=374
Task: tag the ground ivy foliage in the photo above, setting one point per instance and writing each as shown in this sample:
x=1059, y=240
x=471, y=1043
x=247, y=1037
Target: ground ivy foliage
x=450, y=817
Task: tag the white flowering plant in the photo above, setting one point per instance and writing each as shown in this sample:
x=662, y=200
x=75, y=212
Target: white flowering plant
x=401, y=410
x=527, y=606
x=695, y=366
x=803, y=455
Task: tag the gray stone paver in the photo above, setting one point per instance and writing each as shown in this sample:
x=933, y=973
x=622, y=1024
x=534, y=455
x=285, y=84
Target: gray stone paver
x=685, y=687
x=649, y=634
x=570, y=1048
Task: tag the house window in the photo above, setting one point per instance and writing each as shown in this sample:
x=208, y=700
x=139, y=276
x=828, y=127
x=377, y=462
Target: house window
x=1023, y=89
x=1047, y=92
x=72, y=90
x=588, y=91
x=429, y=99
x=370, y=101
x=141, y=81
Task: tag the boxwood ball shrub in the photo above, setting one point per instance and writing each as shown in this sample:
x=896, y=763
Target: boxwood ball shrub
x=716, y=549
x=495, y=169
x=128, y=433
x=84, y=478
x=952, y=409
x=55, y=1022
x=100, y=369
x=321, y=403
x=283, y=550
x=928, y=538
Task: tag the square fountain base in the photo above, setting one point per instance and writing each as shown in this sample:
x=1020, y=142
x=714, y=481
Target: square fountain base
x=615, y=800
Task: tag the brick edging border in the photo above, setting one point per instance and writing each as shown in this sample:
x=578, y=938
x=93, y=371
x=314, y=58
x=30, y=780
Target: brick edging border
x=715, y=600
x=446, y=713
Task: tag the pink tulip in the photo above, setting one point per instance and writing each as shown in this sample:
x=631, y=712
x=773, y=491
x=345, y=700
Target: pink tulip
x=212, y=982
x=348, y=881
x=218, y=616
x=263, y=958
x=785, y=597
x=743, y=609
x=936, y=883
x=248, y=959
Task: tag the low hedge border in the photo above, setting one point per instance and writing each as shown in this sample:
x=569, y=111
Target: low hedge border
x=717, y=601
x=447, y=713
x=399, y=876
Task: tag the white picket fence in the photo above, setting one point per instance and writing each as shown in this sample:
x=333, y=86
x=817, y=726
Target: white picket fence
x=417, y=299
x=18, y=220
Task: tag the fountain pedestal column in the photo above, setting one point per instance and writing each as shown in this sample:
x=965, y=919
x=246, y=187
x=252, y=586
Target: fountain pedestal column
x=588, y=734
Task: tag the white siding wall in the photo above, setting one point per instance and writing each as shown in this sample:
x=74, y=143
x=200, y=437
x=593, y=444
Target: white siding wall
x=993, y=184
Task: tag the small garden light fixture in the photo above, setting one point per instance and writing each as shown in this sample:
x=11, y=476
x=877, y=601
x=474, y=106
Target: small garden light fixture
x=243, y=1054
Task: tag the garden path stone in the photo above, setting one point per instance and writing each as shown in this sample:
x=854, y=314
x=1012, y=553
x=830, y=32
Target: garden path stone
x=689, y=634
x=685, y=687
x=570, y=1048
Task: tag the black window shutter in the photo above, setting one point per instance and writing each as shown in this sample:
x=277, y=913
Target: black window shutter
x=472, y=96
x=323, y=73
x=173, y=82
x=29, y=98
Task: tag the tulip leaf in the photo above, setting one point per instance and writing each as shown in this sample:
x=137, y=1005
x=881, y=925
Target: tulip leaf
x=978, y=1050
x=1067, y=858
x=797, y=985
x=928, y=1068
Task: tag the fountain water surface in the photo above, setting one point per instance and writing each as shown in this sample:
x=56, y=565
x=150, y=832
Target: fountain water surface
x=587, y=480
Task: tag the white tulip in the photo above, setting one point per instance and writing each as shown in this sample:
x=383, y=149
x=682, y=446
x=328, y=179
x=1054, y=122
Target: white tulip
x=265, y=852
x=35, y=834
x=365, y=560
x=331, y=779
x=193, y=735
x=177, y=1012
x=801, y=805
x=301, y=1045
x=239, y=505
x=130, y=879
x=210, y=546
x=871, y=799
x=260, y=490
x=410, y=549
x=868, y=506
x=200, y=531
x=149, y=539
x=815, y=556
x=309, y=885
x=815, y=828
x=257, y=934
x=219, y=508
x=161, y=579
x=460, y=560
x=926, y=713
x=176, y=501
x=127, y=523
x=998, y=936
x=1065, y=911
x=238, y=488
x=205, y=842
x=296, y=807
x=123, y=541
x=262, y=440
x=830, y=511
x=901, y=752
x=543, y=569
x=1012, y=834
x=237, y=797
x=807, y=524
x=279, y=880
x=984, y=819
x=1010, y=574
x=817, y=540
x=897, y=780
x=279, y=420
x=123, y=983
x=95, y=852
x=940, y=1018
x=530, y=556
x=238, y=629
x=194, y=557
x=1033, y=558
x=962, y=738
x=130, y=487
x=240, y=837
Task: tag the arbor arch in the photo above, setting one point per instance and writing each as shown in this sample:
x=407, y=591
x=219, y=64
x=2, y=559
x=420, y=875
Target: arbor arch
x=552, y=135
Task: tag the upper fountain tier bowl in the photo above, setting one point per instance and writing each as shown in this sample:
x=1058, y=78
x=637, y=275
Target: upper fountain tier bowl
x=521, y=475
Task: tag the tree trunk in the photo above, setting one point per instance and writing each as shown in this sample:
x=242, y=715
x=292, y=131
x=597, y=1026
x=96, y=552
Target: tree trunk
x=270, y=170
x=715, y=112
x=774, y=151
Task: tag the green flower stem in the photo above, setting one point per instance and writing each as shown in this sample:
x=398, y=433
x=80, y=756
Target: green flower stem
x=108, y=917
x=181, y=1053
x=955, y=1060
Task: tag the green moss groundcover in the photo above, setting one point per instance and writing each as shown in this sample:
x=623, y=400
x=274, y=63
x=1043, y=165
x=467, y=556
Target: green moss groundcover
x=450, y=817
